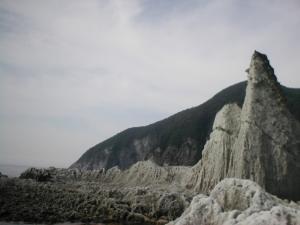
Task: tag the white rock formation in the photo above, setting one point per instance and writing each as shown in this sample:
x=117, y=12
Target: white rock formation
x=239, y=202
x=267, y=149
x=217, y=151
x=149, y=174
x=261, y=142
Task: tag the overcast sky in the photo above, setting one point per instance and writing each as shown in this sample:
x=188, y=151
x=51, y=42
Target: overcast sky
x=73, y=73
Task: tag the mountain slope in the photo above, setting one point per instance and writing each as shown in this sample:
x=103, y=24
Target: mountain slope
x=177, y=140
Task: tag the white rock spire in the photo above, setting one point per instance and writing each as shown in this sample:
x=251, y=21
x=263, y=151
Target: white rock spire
x=264, y=143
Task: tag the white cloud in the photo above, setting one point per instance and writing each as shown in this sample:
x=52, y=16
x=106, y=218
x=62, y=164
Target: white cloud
x=105, y=65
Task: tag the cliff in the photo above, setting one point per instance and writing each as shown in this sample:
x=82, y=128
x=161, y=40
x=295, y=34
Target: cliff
x=177, y=140
x=253, y=149
x=260, y=142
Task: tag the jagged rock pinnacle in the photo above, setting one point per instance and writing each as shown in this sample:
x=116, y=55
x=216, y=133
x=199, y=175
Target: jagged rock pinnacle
x=267, y=147
x=262, y=146
x=260, y=55
x=260, y=69
x=262, y=81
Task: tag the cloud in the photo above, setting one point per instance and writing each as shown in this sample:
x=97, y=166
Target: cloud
x=73, y=73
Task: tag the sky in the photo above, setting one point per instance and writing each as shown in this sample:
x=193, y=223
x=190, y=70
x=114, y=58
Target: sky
x=74, y=73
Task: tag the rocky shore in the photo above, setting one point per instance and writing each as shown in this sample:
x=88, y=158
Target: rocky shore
x=232, y=201
x=249, y=174
x=239, y=202
x=53, y=201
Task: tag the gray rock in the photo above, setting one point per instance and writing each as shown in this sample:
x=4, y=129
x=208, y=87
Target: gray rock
x=139, y=149
x=135, y=218
x=261, y=143
x=267, y=149
x=172, y=205
x=40, y=175
x=88, y=201
x=239, y=202
x=217, y=152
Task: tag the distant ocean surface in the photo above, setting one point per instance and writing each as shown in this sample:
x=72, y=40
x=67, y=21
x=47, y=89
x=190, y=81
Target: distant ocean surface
x=12, y=170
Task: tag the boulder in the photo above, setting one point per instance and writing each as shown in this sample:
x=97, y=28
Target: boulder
x=239, y=202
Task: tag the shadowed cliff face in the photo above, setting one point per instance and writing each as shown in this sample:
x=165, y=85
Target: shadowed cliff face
x=260, y=142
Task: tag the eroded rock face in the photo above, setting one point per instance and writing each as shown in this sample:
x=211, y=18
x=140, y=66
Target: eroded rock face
x=87, y=201
x=261, y=142
x=139, y=149
x=143, y=173
x=239, y=202
x=267, y=149
x=217, y=152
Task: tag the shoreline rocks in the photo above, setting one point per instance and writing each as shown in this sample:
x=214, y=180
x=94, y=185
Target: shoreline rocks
x=52, y=202
x=258, y=142
x=239, y=202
